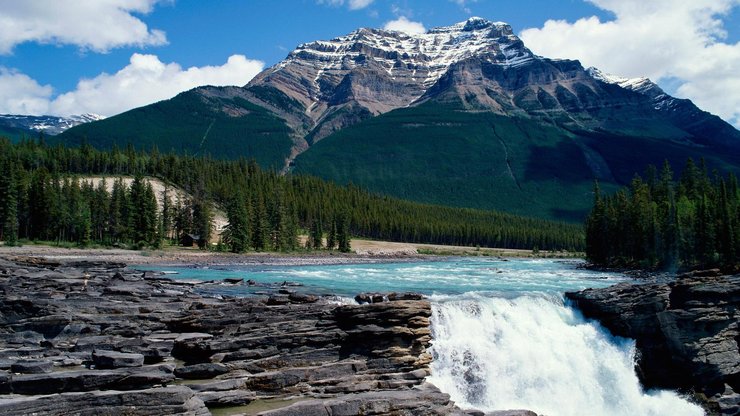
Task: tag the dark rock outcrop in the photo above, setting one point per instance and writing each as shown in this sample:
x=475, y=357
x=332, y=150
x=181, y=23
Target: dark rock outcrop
x=124, y=338
x=687, y=333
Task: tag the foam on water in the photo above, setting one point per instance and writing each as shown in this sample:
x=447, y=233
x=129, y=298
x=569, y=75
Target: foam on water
x=451, y=276
x=535, y=352
x=503, y=338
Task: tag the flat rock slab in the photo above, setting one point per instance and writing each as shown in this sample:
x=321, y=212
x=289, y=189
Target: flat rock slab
x=32, y=367
x=425, y=400
x=115, y=359
x=87, y=380
x=159, y=401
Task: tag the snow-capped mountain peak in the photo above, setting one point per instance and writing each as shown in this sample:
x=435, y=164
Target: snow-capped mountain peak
x=426, y=55
x=324, y=73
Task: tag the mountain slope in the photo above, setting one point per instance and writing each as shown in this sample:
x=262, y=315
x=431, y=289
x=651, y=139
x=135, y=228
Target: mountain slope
x=462, y=115
x=206, y=120
x=437, y=154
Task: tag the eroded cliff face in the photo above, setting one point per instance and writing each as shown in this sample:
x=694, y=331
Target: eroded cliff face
x=687, y=332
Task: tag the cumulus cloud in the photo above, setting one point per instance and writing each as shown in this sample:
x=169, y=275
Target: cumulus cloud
x=679, y=40
x=352, y=4
x=21, y=94
x=146, y=79
x=403, y=24
x=90, y=24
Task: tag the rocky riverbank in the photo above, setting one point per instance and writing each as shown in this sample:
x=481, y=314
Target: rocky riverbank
x=99, y=338
x=686, y=331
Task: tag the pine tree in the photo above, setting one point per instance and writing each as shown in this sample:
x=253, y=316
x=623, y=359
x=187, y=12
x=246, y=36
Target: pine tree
x=139, y=222
x=153, y=238
x=260, y=229
x=597, y=229
x=331, y=236
x=278, y=224
x=236, y=234
x=343, y=237
x=119, y=212
x=166, y=215
x=291, y=238
x=8, y=204
x=316, y=234
x=183, y=218
x=202, y=220
x=40, y=202
x=84, y=226
x=100, y=211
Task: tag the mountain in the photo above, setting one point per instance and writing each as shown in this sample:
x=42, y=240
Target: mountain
x=17, y=125
x=462, y=115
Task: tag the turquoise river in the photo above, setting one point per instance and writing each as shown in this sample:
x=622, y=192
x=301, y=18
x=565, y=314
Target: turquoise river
x=504, y=338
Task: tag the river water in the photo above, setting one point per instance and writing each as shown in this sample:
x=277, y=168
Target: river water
x=504, y=337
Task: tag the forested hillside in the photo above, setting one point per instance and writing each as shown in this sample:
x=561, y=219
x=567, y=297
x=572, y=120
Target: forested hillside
x=463, y=115
x=660, y=222
x=40, y=199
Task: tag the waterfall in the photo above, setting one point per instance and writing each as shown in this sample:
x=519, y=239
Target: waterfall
x=534, y=352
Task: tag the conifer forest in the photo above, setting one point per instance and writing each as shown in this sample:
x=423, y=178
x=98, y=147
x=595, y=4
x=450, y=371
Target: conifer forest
x=669, y=223
x=44, y=197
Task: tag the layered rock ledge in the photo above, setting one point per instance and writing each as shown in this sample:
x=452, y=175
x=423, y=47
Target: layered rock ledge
x=686, y=331
x=96, y=337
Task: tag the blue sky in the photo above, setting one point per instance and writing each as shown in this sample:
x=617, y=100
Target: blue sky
x=72, y=56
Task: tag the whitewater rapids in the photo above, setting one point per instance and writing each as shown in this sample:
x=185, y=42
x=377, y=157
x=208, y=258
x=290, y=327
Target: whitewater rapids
x=535, y=352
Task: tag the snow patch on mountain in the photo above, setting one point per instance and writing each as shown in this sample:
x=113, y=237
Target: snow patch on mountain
x=640, y=85
x=427, y=55
x=51, y=125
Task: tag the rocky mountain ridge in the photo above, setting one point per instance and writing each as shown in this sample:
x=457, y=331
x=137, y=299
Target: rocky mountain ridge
x=466, y=107
x=479, y=64
x=51, y=125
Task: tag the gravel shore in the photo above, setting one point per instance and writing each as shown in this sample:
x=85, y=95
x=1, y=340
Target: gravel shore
x=182, y=256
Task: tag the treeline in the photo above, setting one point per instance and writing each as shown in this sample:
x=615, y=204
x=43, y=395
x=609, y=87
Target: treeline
x=661, y=222
x=266, y=211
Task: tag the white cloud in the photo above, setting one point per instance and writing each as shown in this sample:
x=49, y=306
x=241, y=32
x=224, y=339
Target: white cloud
x=402, y=24
x=143, y=81
x=359, y=4
x=681, y=40
x=97, y=25
x=352, y=4
x=21, y=94
x=464, y=4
